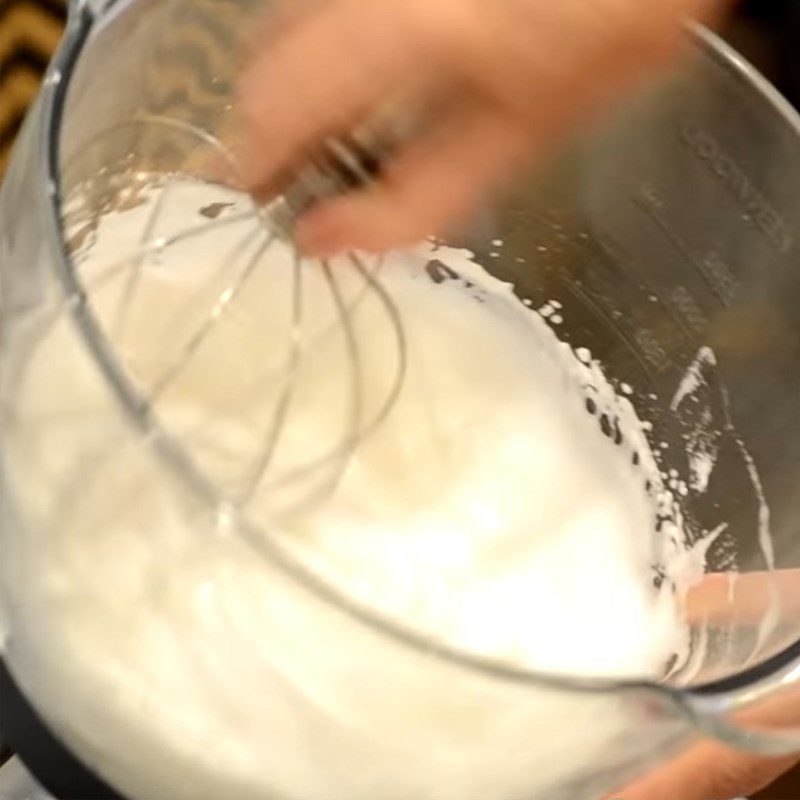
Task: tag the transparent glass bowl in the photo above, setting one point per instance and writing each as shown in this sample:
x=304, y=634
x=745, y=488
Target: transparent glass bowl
x=669, y=235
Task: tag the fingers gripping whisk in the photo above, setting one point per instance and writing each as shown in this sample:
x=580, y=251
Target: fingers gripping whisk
x=266, y=370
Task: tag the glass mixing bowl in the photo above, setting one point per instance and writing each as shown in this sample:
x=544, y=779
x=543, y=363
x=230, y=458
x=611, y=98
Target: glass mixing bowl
x=670, y=239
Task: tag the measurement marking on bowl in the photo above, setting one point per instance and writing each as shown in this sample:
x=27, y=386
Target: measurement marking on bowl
x=717, y=275
x=759, y=210
x=652, y=350
x=690, y=311
x=643, y=343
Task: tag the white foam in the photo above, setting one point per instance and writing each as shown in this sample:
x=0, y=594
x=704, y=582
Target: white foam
x=490, y=512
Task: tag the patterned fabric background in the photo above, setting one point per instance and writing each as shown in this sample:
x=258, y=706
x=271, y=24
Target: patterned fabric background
x=29, y=34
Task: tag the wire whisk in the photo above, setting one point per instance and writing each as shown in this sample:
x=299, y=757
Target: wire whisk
x=255, y=362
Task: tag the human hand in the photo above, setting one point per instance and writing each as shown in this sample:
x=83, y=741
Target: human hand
x=709, y=770
x=510, y=78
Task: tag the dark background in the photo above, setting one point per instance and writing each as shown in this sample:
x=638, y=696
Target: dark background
x=768, y=33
